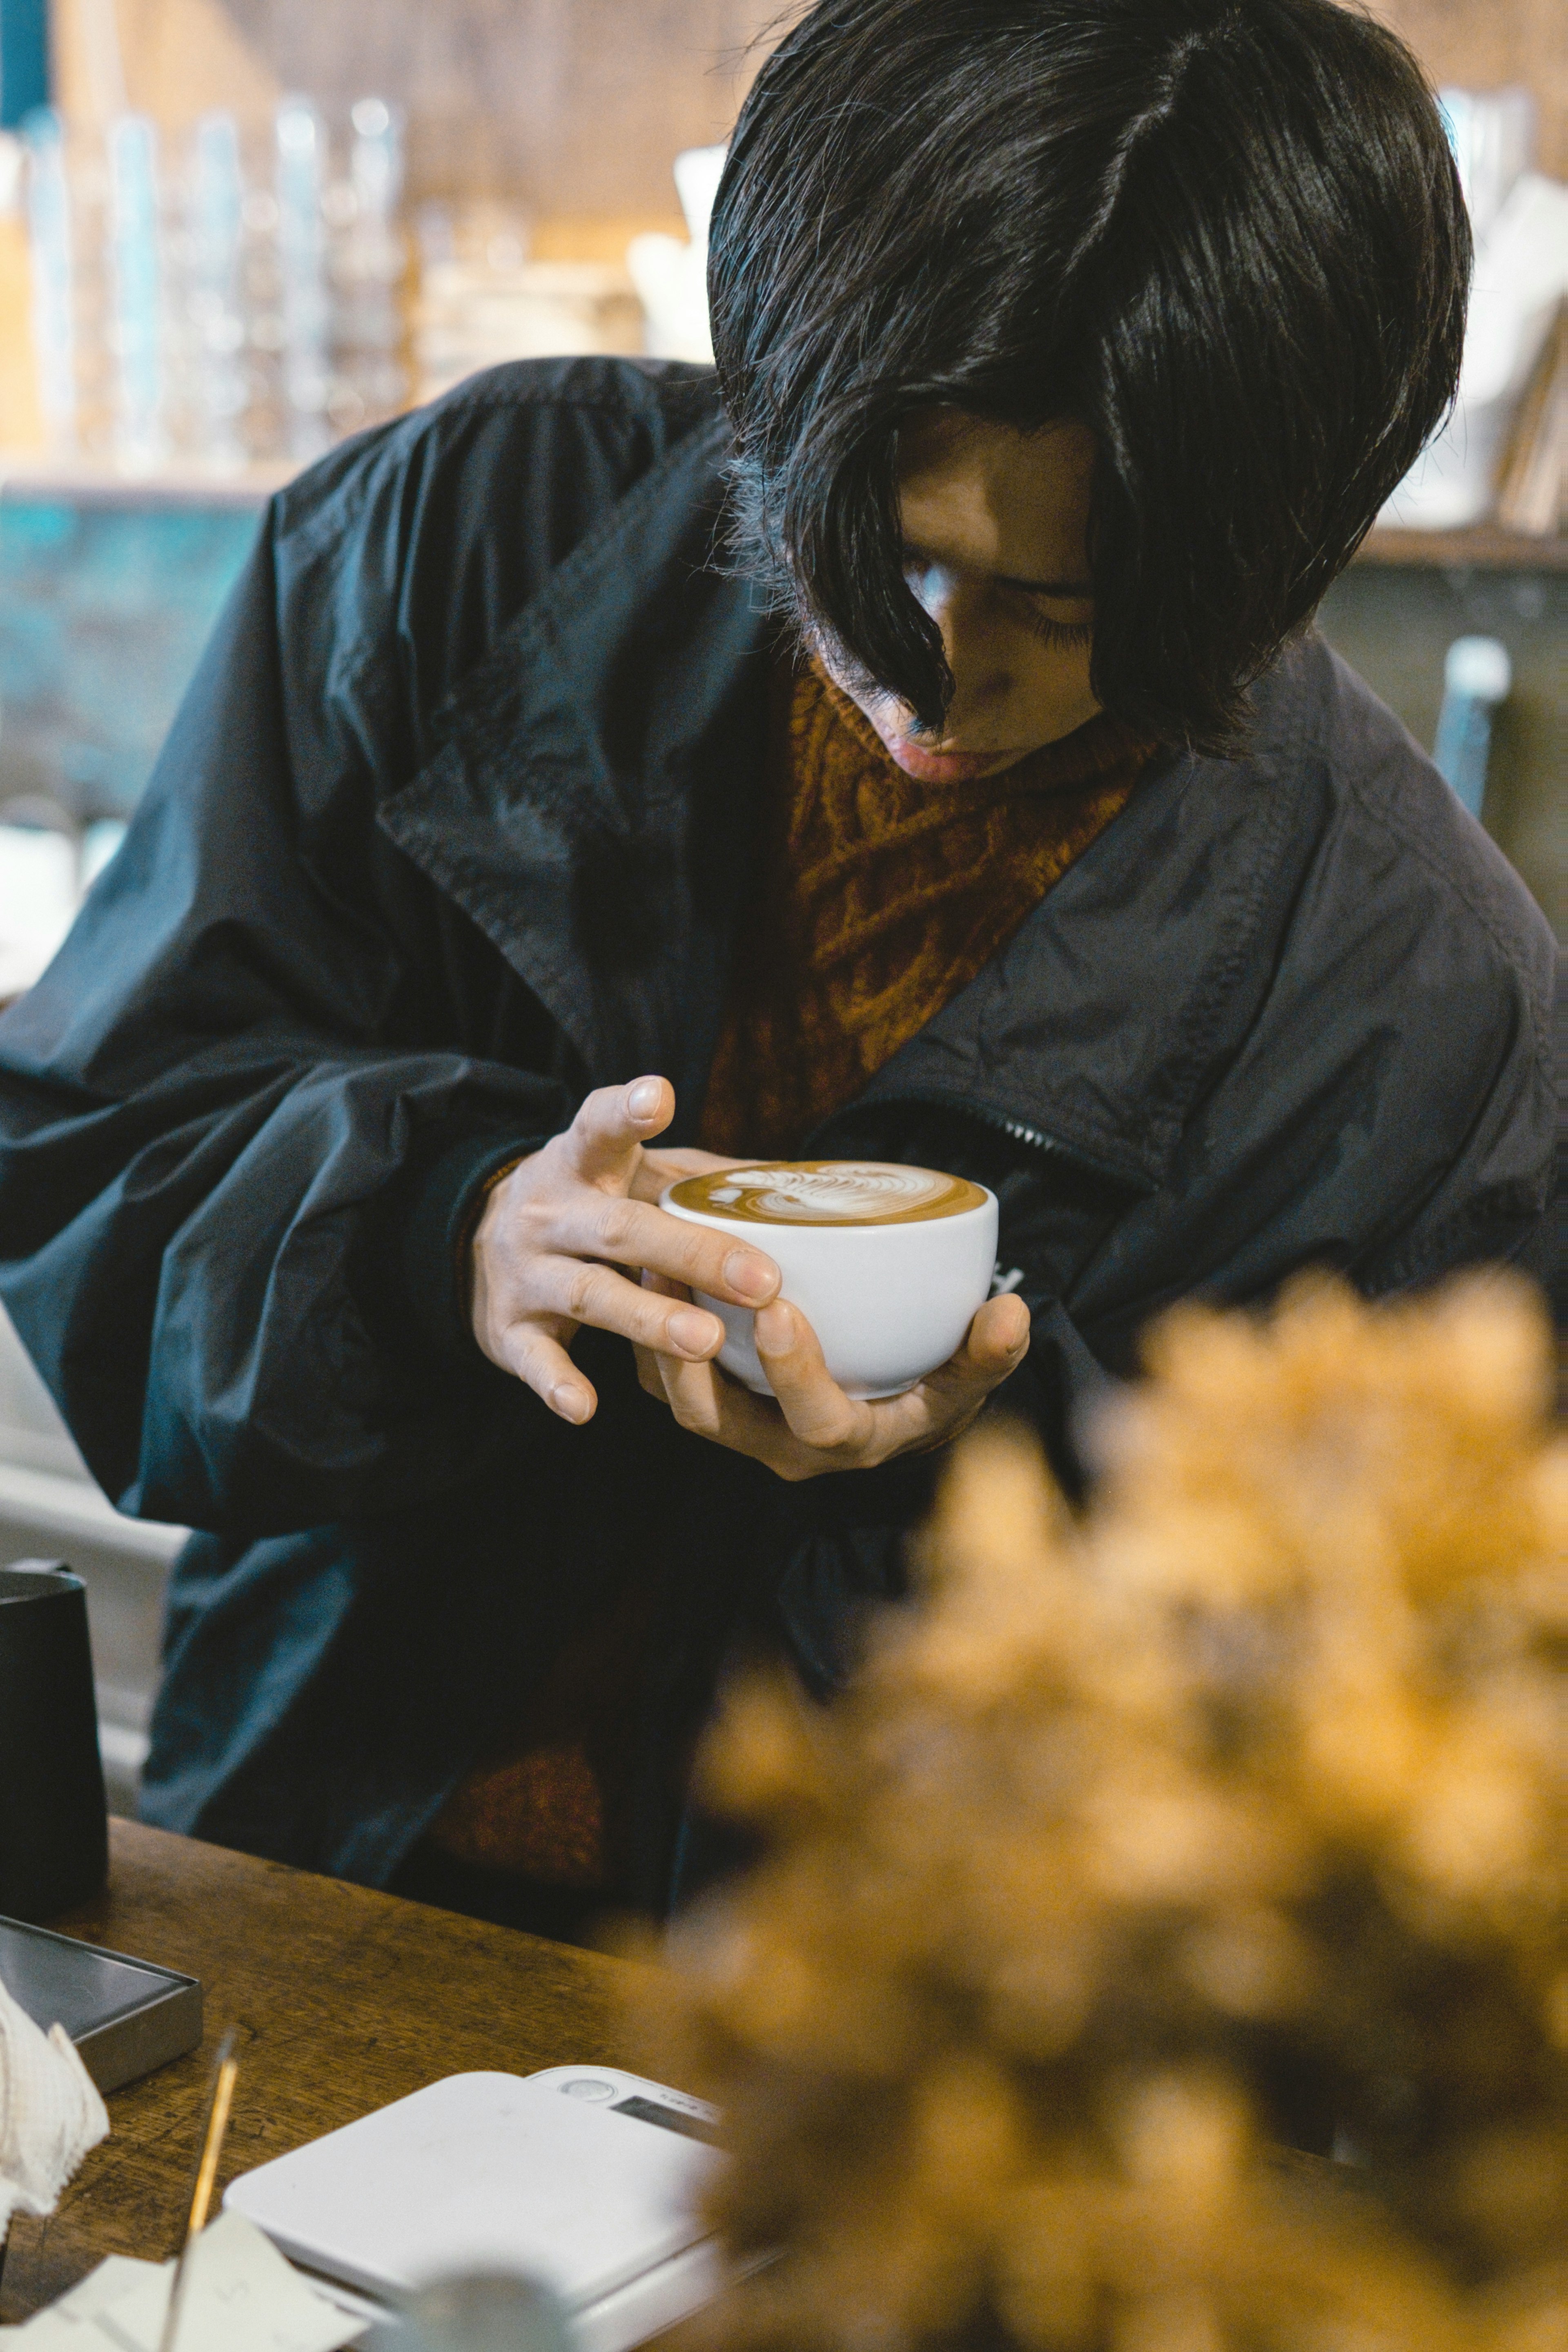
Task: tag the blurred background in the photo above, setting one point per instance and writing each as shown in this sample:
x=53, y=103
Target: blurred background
x=233, y=231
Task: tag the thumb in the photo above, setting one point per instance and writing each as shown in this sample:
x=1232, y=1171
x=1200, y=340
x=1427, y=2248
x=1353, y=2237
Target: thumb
x=994, y=1346
x=613, y=1125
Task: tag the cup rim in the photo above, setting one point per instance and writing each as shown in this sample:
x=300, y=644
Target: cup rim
x=841, y=1229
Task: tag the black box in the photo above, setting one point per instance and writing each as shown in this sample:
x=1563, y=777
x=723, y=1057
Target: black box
x=125, y=2016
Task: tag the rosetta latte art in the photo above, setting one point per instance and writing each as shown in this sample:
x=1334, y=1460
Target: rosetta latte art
x=829, y=1192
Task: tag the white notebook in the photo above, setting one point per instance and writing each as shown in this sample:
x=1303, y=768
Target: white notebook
x=583, y=2176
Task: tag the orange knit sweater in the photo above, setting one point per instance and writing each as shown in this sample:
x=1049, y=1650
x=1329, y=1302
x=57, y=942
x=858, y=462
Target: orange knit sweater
x=880, y=898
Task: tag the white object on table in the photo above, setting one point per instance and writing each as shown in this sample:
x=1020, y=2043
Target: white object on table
x=240, y=2296
x=583, y=2176
x=50, y=2112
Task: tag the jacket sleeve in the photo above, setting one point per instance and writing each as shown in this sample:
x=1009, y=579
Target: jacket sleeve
x=210, y=1133
x=1387, y=1113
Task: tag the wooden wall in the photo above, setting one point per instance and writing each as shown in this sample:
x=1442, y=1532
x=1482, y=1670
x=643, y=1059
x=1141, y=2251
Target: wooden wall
x=1486, y=44
x=572, y=106
x=578, y=106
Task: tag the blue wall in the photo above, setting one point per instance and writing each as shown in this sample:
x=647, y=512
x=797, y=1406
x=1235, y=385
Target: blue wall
x=103, y=612
x=23, y=59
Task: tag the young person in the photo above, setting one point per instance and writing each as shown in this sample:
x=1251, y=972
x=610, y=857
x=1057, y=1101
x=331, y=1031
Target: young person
x=908, y=741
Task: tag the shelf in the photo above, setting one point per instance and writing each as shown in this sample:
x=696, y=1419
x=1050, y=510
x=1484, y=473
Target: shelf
x=88, y=482
x=1483, y=547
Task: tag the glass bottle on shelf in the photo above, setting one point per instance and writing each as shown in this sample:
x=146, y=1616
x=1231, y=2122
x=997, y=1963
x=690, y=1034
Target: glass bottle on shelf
x=136, y=334
x=301, y=260
x=214, y=324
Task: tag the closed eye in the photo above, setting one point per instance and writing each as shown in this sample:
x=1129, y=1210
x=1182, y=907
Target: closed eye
x=1062, y=635
x=930, y=579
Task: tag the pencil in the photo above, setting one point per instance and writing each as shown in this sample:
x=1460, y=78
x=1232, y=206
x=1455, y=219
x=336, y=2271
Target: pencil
x=225, y=2067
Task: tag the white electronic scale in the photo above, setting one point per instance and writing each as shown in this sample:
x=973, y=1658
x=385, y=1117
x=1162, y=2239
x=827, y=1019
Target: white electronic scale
x=582, y=2176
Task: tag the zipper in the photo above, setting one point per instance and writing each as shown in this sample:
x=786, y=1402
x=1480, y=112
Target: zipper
x=1000, y=1123
x=1020, y=1131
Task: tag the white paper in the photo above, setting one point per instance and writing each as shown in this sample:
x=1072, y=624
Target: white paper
x=239, y=2296
x=50, y=2112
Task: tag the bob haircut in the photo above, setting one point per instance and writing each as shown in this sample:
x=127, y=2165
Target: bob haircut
x=1225, y=234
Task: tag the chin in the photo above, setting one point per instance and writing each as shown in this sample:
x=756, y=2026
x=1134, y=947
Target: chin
x=952, y=760
x=948, y=764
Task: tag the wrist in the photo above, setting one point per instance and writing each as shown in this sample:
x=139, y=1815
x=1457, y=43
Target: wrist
x=438, y=1236
x=479, y=1208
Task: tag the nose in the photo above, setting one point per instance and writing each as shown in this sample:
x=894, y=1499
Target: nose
x=976, y=655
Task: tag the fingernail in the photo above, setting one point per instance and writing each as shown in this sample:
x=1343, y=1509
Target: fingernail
x=571, y=1404
x=752, y=1276
x=776, y=1329
x=695, y=1334
x=642, y=1100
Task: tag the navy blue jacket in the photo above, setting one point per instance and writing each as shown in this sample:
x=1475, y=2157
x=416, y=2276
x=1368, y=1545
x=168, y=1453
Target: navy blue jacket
x=458, y=821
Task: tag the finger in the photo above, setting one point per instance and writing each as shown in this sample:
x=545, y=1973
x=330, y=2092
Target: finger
x=543, y=1365
x=664, y=1285
x=823, y=1418
x=994, y=1345
x=941, y=1404
x=612, y=1124
x=657, y=1168
x=691, y=1392
x=812, y=1402
x=632, y=1233
x=583, y=1292
x=704, y=1401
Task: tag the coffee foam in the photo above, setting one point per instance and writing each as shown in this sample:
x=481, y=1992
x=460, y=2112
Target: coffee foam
x=827, y=1193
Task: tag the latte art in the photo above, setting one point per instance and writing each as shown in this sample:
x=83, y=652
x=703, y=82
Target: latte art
x=827, y=1193
x=887, y=1264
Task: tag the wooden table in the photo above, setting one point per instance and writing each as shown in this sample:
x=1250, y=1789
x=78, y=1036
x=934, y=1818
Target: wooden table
x=344, y=1999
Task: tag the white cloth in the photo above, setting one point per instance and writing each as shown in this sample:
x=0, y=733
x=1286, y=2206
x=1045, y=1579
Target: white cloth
x=50, y=2112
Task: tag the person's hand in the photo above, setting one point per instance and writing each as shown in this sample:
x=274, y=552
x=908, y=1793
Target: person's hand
x=655, y=1169
x=815, y=1427
x=555, y=1233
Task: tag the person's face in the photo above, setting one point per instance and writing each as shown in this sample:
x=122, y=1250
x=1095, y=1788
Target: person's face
x=996, y=526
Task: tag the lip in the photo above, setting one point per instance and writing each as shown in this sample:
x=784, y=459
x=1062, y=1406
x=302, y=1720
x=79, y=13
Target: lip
x=948, y=767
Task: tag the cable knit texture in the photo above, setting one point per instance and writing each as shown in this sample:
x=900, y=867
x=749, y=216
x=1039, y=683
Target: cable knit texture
x=880, y=898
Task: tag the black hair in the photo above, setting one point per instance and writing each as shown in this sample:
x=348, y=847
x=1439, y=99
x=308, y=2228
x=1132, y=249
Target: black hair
x=1227, y=234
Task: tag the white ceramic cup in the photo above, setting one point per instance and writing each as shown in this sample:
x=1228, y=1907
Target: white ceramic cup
x=890, y=1301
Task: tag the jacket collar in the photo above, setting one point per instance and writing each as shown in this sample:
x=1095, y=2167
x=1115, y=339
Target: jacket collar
x=592, y=802
x=1098, y=1025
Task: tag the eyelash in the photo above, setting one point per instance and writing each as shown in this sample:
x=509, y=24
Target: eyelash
x=1064, y=636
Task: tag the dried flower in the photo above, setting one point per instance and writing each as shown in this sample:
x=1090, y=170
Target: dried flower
x=1140, y=1843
